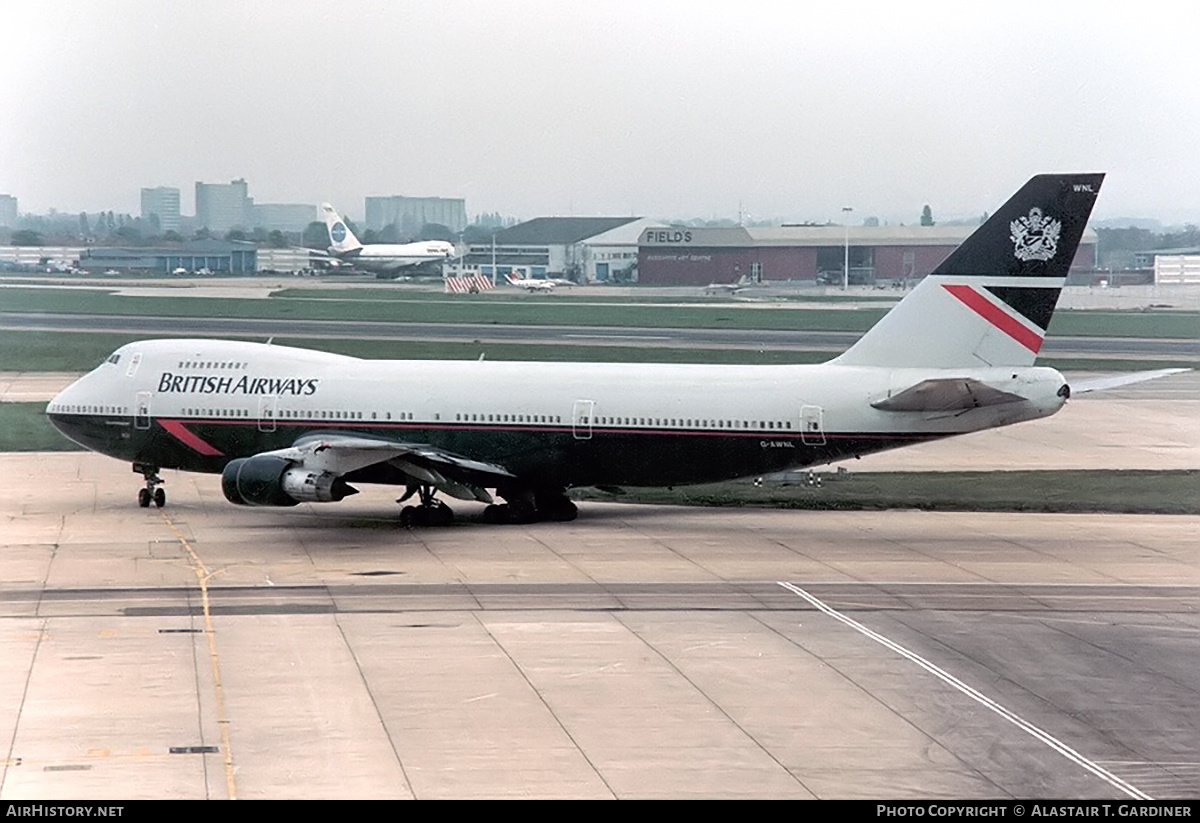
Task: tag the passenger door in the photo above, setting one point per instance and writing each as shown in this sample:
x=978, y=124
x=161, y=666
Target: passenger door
x=812, y=426
x=581, y=419
x=141, y=410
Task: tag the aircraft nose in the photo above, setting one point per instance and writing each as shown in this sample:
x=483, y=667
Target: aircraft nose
x=62, y=398
x=71, y=400
x=67, y=394
x=82, y=415
x=57, y=408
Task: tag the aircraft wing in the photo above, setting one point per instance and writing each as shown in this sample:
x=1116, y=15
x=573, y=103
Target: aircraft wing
x=340, y=455
x=946, y=394
x=333, y=259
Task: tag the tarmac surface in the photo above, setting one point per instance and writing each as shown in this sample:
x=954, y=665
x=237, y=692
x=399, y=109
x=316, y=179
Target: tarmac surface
x=210, y=651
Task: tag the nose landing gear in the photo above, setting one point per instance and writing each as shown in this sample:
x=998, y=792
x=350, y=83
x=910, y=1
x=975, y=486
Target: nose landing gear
x=152, y=492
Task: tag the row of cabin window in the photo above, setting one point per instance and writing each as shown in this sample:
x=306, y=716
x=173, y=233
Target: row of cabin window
x=289, y=414
x=218, y=412
x=73, y=408
x=332, y=415
x=513, y=418
x=507, y=418
x=298, y=415
x=195, y=364
x=687, y=423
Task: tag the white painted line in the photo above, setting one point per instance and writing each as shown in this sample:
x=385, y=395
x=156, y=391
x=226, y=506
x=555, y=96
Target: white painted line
x=619, y=336
x=1051, y=741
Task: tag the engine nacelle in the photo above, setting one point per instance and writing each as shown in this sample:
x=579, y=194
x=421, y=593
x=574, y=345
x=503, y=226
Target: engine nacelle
x=315, y=487
x=268, y=480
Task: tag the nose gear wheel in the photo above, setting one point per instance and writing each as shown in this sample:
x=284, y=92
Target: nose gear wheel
x=152, y=491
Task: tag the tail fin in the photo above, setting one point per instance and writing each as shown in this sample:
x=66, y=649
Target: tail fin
x=989, y=303
x=341, y=239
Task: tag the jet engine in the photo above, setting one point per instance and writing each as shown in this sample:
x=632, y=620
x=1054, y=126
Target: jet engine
x=269, y=480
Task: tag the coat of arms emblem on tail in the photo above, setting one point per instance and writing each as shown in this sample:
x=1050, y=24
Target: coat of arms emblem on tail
x=1035, y=237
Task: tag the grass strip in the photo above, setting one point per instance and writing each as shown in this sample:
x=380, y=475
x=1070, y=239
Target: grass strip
x=24, y=428
x=1131, y=491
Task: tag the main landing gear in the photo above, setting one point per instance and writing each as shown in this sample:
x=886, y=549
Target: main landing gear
x=430, y=512
x=530, y=507
x=152, y=492
x=520, y=507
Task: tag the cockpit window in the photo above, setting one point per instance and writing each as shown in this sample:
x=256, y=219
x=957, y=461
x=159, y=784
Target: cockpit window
x=114, y=358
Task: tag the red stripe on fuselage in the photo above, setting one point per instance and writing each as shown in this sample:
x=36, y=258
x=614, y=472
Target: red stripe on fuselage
x=995, y=315
x=190, y=440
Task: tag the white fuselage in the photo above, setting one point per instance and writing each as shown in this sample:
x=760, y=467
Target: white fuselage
x=391, y=257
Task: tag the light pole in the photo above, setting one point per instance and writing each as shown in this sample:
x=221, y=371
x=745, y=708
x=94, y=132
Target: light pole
x=846, y=262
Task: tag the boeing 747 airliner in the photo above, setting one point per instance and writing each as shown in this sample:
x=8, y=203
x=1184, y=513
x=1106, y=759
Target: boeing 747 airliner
x=384, y=258
x=284, y=425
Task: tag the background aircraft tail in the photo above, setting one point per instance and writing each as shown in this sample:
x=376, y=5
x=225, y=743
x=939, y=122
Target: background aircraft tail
x=341, y=239
x=989, y=303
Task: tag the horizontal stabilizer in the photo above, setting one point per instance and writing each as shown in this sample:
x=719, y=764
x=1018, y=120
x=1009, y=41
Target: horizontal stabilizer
x=947, y=394
x=1118, y=380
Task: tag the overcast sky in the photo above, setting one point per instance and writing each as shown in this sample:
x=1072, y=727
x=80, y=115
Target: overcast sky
x=668, y=109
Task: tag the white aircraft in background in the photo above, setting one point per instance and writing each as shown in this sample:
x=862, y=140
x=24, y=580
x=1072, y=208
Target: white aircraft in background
x=738, y=285
x=284, y=426
x=535, y=284
x=384, y=258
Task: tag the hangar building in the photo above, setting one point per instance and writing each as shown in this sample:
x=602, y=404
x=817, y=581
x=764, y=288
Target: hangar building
x=682, y=256
x=218, y=256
